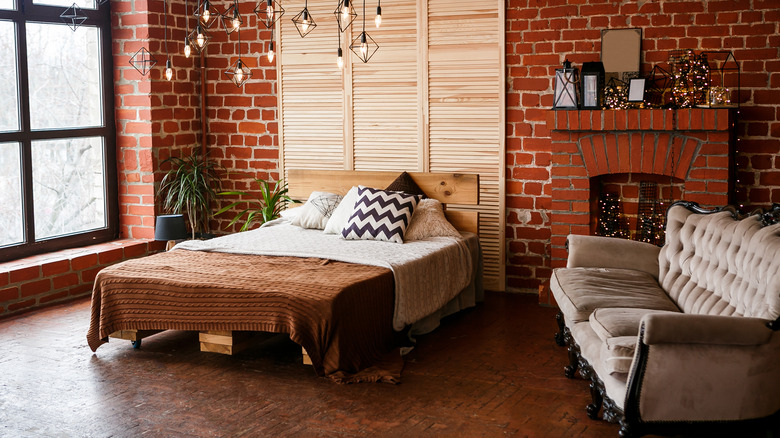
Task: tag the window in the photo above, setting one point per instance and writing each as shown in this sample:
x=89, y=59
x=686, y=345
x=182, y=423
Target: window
x=57, y=134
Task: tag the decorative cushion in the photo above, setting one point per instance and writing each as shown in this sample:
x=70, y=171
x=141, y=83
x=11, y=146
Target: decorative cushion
x=405, y=183
x=428, y=221
x=317, y=210
x=380, y=215
x=340, y=216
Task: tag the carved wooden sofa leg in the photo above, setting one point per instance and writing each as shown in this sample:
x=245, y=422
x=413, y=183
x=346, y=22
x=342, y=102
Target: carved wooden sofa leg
x=574, y=361
x=598, y=398
x=560, y=339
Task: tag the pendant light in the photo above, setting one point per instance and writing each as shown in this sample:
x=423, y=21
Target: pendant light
x=231, y=19
x=199, y=37
x=271, y=52
x=168, y=65
x=206, y=13
x=345, y=15
x=143, y=61
x=238, y=72
x=340, y=55
x=269, y=12
x=378, y=18
x=304, y=23
x=363, y=45
x=187, y=41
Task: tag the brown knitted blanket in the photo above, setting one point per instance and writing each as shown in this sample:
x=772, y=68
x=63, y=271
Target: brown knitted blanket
x=341, y=313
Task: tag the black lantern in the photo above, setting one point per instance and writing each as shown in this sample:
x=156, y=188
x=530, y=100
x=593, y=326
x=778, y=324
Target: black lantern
x=566, y=79
x=592, y=90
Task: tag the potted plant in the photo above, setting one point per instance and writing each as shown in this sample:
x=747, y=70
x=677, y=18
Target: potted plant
x=189, y=187
x=264, y=207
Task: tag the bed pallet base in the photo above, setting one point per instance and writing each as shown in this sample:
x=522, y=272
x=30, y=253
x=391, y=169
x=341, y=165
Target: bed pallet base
x=212, y=341
x=133, y=336
x=230, y=342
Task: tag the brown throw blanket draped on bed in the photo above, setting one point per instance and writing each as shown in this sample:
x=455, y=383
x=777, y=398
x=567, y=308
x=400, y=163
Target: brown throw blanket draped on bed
x=341, y=313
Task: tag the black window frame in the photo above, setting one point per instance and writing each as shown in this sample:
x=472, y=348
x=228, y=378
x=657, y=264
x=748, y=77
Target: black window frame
x=26, y=11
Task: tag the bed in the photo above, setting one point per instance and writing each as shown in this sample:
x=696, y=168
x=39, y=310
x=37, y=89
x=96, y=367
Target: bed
x=348, y=303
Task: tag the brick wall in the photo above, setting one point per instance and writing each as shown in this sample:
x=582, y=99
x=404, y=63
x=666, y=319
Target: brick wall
x=542, y=33
x=156, y=119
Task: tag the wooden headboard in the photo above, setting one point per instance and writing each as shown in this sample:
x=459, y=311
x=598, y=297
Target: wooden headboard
x=448, y=188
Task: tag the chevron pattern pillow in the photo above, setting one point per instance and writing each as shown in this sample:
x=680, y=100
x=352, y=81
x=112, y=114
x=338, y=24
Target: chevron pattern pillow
x=380, y=215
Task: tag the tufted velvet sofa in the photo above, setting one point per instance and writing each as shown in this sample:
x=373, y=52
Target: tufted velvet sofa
x=681, y=338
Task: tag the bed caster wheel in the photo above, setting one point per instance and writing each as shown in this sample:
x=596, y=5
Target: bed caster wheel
x=136, y=344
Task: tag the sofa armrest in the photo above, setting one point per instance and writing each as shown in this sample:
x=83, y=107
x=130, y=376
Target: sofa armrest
x=694, y=368
x=611, y=252
x=682, y=328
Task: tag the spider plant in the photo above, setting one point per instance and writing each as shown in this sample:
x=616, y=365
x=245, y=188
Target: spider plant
x=189, y=187
x=264, y=207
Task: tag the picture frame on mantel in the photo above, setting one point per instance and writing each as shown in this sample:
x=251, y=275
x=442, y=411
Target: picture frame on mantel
x=636, y=90
x=621, y=52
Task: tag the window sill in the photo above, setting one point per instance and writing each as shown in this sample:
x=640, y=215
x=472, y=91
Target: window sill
x=58, y=276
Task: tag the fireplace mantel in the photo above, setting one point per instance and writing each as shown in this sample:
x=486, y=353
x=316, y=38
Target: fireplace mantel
x=691, y=145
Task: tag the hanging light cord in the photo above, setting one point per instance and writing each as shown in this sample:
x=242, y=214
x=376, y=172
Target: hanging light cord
x=165, y=2
x=364, y=16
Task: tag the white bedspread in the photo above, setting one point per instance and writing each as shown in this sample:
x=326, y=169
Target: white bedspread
x=428, y=273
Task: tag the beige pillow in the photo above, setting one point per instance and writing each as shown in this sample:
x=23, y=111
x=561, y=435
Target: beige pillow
x=317, y=210
x=428, y=221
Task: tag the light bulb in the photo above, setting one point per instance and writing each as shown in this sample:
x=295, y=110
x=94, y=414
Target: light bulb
x=236, y=19
x=206, y=15
x=305, y=22
x=200, y=37
x=340, y=59
x=269, y=12
x=345, y=11
x=239, y=72
x=363, y=45
x=168, y=70
x=271, y=52
x=187, y=48
x=378, y=19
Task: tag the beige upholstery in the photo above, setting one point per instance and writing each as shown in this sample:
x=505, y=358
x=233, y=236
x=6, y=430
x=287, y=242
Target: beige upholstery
x=699, y=307
x=580, y=291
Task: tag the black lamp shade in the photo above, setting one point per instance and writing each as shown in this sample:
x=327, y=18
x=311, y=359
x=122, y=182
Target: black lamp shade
x=170, y=227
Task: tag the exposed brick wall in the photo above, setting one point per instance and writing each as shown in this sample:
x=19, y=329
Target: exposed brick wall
x=157, y=119
x=542, y=33
x=49, y=278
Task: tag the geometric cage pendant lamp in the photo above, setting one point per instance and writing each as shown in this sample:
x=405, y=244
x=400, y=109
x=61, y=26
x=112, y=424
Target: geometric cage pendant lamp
x=238, y=73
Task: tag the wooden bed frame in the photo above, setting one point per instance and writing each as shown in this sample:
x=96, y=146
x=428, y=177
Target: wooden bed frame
x=459, y=189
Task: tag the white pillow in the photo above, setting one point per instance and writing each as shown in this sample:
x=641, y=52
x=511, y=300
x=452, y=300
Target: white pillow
x=428, y=220
x=338, y=220
x=317, y=210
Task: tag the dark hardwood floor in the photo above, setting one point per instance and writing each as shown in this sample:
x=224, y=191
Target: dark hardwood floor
x=489, y=371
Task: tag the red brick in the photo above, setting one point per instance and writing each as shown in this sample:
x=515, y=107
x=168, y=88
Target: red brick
x=35, y=288
x=8, y=294
x=64, y=281
x=53, y=297
x=20, y=305
x=25, y=274
x=55, y=268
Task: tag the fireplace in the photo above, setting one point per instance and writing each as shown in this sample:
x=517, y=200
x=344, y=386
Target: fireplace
x=687, y=153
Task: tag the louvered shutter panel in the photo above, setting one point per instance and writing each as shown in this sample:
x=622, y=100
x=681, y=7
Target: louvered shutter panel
x=431, y=99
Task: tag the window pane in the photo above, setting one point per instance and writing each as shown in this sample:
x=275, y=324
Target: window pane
x=64, y=75
x=68, y=188
x=11, y=230
x=7, y=4
x=88, y=4
x=9, y=83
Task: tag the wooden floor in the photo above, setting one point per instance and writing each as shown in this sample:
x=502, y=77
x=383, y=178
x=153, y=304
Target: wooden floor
x=489, y=371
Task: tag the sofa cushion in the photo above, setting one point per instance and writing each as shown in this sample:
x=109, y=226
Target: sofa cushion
x=618, y=353
x=618, y=329
x=580, y=291
x=612, y=322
